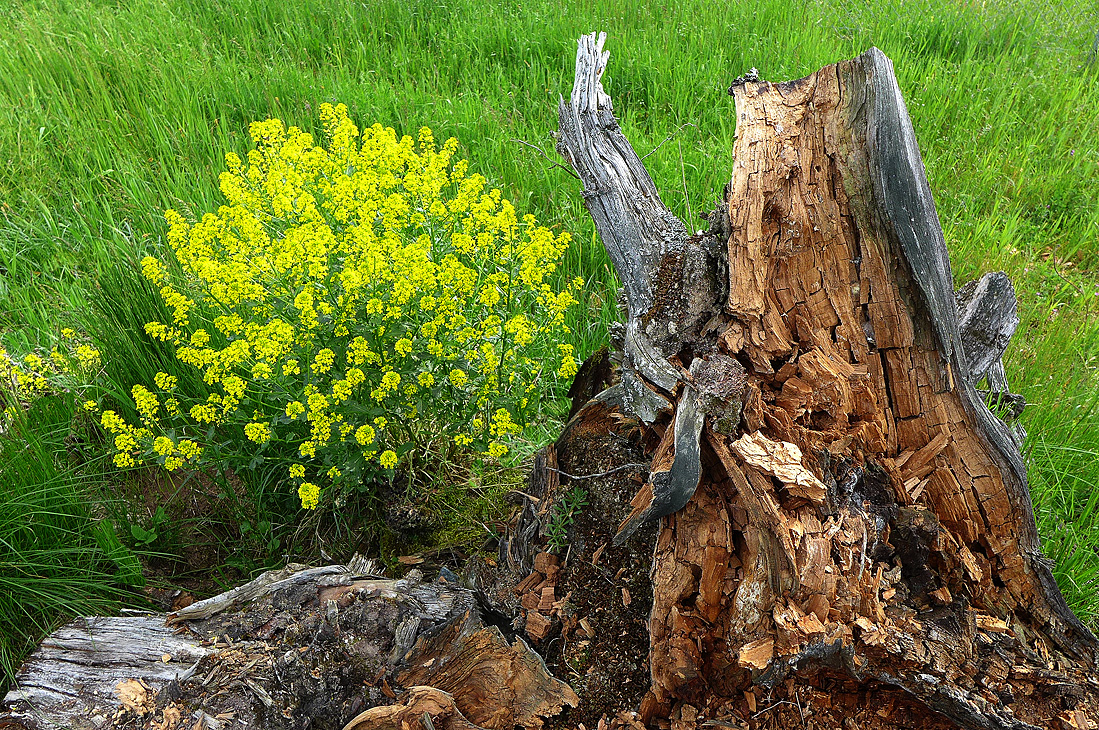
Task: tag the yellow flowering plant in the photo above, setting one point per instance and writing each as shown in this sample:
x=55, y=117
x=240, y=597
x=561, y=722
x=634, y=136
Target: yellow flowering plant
x=353, y=306
x=69, y=364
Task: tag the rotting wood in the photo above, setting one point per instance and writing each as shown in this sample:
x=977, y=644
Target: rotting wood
x=424, y=708
x=863, y=523
x=297, y=647
x=495, y=684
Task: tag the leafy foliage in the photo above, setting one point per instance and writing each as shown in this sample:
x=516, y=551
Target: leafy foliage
x=354, y=305
x=561, y=518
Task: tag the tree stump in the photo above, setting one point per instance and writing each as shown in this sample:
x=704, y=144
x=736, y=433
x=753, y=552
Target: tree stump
x=846, y=537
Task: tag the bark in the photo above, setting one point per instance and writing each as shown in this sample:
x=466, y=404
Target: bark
x=319, y=648
x=840, y=514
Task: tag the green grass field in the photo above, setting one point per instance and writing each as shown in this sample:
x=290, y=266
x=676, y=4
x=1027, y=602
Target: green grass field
x=112, y=111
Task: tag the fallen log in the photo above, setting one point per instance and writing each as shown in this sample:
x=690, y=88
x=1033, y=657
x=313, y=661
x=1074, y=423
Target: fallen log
x=845, y=529
x=323, y=647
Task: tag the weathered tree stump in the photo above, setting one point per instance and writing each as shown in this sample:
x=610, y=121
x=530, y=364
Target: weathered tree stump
x=846, y=536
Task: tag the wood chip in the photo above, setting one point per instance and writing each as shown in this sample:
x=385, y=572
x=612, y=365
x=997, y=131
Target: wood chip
x=169, y=719
x=538, y=626
x=923, y=457
x=991, y=624
x=818, y=605
x=810, y=625
x=625, y=597
x=756, y=654
x=969, y=560
x=543, y=561
x=871, y=634
x=545, y=603
x=915, y=487
x=780, y=459
x=529, y=582
x=135, y=696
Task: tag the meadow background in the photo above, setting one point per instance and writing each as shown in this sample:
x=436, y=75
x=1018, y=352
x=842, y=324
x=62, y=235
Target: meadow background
x=111, y=112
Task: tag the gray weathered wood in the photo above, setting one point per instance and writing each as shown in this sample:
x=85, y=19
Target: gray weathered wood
x=637, y=228
x=671, y=279
x=987, y=318
x=264, y=585
x=673, y=486
x=653, y=252
x=70, y=679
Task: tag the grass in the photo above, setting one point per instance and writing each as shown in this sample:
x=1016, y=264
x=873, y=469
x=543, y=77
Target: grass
x=111, y=112
x=55, y=556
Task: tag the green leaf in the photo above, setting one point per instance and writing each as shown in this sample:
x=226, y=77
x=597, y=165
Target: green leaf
x=143, y=536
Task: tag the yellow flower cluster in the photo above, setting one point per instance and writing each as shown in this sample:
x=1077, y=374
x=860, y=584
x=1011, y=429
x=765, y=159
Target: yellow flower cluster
x=27, y=379
x=309, y=494
x=353, y=298
x=67, y=366
x=132, y=443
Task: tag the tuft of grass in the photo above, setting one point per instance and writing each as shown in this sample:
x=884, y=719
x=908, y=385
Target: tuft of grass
x=1062, y=451
x=121, y=303
x=57, y=559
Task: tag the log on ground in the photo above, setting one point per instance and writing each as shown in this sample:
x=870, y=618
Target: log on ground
x=296, y=648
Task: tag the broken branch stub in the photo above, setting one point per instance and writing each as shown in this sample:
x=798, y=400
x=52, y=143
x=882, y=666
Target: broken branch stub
x=655, y=258
x=840, y=510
